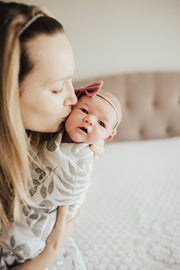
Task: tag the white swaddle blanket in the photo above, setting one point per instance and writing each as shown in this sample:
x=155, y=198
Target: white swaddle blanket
x=63, y=179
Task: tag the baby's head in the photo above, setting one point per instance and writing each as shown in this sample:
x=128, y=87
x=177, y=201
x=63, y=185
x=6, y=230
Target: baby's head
x=94, y=118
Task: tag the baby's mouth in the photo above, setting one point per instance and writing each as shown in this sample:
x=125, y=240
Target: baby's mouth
x=84, y=129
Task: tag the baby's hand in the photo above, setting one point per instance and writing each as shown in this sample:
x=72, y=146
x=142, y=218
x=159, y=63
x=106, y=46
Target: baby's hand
x=98, y=148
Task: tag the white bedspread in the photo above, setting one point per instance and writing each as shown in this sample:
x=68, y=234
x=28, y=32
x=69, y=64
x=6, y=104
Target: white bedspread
x=132, y=216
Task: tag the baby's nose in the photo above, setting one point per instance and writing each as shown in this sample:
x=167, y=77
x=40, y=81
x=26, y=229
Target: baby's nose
x=89, y=120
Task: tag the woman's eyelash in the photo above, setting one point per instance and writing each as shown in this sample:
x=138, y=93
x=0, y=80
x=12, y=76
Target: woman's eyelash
x=102, y=124
x=57, y=91
x=84, y=110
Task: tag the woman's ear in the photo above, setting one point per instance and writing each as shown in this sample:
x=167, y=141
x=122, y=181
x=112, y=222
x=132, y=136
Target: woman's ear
x=111, y=135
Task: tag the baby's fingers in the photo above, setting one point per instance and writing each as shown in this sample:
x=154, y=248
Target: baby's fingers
x=98, y=148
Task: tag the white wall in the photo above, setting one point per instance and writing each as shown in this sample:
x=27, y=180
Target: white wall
x=113, y=36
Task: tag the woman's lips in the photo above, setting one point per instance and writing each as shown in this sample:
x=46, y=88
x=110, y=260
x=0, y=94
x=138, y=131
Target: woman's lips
x=67, y=112
x=65, y=117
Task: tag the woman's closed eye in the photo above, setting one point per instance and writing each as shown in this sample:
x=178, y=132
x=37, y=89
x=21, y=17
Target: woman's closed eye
x=102, y=124
x=84, y=110
x=57, y=91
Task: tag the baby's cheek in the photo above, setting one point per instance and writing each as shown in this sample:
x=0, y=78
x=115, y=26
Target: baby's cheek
x=98, y=134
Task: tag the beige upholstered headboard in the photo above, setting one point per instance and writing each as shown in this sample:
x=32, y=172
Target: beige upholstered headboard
x=150, y=103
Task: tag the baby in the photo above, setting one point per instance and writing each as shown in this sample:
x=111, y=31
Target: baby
x=95, y=117
x=64, y=175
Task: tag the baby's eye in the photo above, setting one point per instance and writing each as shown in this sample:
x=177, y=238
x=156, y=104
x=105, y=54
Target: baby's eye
x=102, y=124
x=84, y=110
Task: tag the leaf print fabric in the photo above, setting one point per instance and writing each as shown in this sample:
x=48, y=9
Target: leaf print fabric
x=62, y=177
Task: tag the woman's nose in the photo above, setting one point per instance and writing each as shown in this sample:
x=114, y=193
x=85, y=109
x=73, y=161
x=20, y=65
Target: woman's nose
x=70, y=98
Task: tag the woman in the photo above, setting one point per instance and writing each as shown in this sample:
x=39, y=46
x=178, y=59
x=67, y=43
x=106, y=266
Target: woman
x=37, y=66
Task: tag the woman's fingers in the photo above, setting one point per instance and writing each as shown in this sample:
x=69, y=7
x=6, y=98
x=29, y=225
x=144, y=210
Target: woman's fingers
x=75, y=220
x=59, y=236
x=62, y=230
x=61, y=213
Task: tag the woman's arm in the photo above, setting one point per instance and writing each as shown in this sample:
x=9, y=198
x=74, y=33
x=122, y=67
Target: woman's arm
x=55, y=242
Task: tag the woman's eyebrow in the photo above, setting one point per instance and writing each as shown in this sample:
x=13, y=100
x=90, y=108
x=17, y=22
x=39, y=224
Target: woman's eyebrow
x=60, y=80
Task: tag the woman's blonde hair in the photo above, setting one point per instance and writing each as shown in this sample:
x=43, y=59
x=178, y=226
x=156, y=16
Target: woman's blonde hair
x=15, y=149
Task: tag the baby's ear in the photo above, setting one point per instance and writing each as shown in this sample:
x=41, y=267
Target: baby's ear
x=111, y=135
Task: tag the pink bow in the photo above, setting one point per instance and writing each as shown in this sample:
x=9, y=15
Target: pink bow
x=90, y=90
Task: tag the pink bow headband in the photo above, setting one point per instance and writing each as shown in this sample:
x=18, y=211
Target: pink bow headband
x=90, y=90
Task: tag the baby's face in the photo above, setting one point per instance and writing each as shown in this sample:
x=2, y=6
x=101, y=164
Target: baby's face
x=91, y=120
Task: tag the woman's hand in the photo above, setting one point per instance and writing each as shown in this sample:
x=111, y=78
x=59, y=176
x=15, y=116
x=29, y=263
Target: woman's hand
x=62, y=230
x=98, y=148
x=55, y=241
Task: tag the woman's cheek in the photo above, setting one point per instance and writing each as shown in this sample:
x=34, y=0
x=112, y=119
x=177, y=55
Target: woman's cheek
x=56, y=104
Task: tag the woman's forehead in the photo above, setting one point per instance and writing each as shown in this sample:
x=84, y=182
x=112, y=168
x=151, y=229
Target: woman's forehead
x=52, y=57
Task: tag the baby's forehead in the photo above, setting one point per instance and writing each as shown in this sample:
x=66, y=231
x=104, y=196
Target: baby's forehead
x=97, y=103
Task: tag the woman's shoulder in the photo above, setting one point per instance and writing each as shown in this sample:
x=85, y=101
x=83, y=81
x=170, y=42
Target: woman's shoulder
x=54, y=141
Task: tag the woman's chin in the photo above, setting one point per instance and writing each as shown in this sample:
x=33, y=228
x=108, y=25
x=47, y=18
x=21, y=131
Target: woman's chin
x=53, y=129
x=58, y=128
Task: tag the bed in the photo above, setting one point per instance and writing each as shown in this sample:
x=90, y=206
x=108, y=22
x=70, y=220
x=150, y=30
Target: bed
x=131, y=220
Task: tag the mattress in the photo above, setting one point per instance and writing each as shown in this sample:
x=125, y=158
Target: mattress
x=131, y=220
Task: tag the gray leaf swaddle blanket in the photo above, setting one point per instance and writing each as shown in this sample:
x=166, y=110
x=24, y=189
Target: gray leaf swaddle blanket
x=62, y=178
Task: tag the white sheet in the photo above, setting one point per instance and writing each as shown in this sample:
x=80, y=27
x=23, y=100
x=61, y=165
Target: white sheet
x=132, y=216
